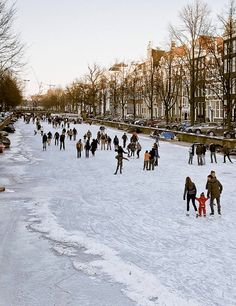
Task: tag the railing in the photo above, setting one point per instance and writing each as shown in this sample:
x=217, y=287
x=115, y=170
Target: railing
x=181, y=136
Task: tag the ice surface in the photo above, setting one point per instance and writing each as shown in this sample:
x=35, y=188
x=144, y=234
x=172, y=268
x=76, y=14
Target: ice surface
x=127, y=229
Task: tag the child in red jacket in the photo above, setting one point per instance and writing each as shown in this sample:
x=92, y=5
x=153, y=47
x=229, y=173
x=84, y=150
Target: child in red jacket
x=202, y=204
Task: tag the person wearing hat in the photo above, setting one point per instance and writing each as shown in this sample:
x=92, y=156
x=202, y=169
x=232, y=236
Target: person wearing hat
x=202, y=204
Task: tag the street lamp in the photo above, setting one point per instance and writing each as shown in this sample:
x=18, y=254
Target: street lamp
x=25, y=81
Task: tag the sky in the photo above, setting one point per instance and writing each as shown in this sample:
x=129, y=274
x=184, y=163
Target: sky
x=63, y=37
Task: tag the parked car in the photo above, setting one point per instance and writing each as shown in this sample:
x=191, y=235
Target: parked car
x=142, y=122
x=183, y=126
x=207, y=129
x=129, y=121
x=172, y=126
x=196, y=128
x=153, y=122
x=230, y=134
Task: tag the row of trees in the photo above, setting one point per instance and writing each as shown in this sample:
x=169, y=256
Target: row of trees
x=195, y=61
x=11, y=54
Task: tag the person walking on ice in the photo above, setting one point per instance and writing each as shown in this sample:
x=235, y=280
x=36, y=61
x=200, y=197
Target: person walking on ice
x=119, y=158
x=212, y=149
x=44, y=139
x=79, y=147
x=202, y=204
x=190, y=191
x=146, y=160
x=226, y=152
x=124, y=138
x=191, y=154
x=214, y=190
x=139, y=148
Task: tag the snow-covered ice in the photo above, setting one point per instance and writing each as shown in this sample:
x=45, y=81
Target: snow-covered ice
x=73, y=233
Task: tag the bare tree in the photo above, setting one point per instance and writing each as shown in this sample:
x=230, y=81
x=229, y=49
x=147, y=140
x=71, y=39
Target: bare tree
x=148, y=85
x=228, y=73
x=134, y=87
x=11, y=48
x=169, y=81
x=77, y=95
x=93, y=78
x=194, y=23
x=113, y=89
x=103, y=93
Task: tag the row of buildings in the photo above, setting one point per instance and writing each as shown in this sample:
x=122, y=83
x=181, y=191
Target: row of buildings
x=196, y=81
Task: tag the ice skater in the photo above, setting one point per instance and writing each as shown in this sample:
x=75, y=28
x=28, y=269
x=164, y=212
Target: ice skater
x=119, y=158
x=190, y=191
x=202, y=204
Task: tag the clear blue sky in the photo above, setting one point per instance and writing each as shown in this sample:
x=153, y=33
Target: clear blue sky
x=63, y=37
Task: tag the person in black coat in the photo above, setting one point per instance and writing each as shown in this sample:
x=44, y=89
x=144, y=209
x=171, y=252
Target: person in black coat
x=56, y=137
x=116, y=142
x=226, y=152
x=87, y=148
x=94, y=146
x=190, y=191
x=44, y=139
x=62, y=141
x=212, y=149
x=152, y=159
x=124, y=138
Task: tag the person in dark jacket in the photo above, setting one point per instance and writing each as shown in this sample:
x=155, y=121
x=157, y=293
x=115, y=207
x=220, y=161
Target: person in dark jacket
x=226, y=152
x=49, y=138
x=74, y=133
x=108, y=142
x=212, y=149
x=139, y=148
x=190, y=191
x=132, y=149
x=124, y=138
x=94, y=146
x=199, y=155
x=214, y=190
x=87, y=148
x=44, y=139
x=56, y=137
x=116, y=142
x=62, y=141
x=152, y=159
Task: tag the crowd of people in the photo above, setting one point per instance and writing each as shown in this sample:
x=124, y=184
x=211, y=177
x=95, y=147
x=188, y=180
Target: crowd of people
x=200, y=149
x=89, y=144
x=126, y=148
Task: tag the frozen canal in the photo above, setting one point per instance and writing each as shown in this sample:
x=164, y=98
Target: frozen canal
x=74, y=234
